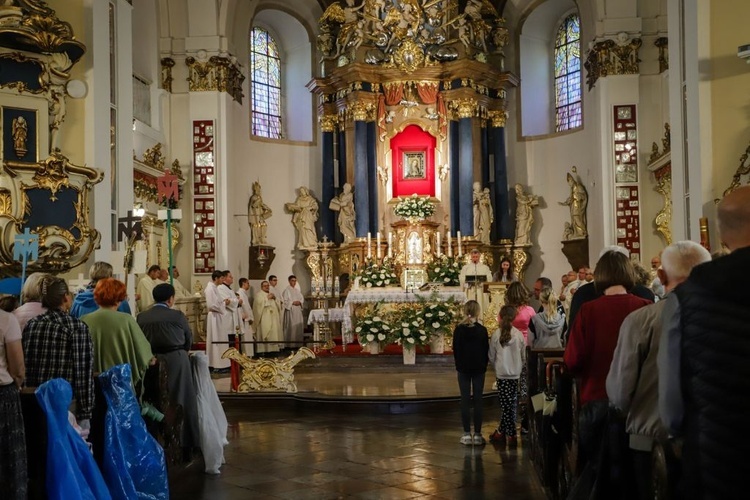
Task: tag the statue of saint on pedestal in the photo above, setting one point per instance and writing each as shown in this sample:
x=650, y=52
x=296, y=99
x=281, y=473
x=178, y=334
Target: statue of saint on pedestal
x=524, y=216
x=344, y=205
x=305, y=214
x=577, y=201
x=257, y=213
x=482, y=214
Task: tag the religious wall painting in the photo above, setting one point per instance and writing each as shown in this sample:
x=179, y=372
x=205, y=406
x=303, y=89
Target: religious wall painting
x=412, y=155
x=413, y=165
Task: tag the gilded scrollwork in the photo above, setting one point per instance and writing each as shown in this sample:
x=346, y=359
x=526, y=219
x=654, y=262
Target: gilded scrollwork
x=167, y=63
x=610, y=57
x=497, y=118
x=464, y=107
x=663, y=219
x=53, y=203
x=221, y=74
x=363, y=111
x=328, y=123
x=742, y=169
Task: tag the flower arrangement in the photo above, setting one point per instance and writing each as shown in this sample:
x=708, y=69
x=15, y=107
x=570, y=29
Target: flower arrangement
x=372, y=327
x=409, y=328
x=445, y=270
x=414, y=207
x=378, y=275
x=439, y=317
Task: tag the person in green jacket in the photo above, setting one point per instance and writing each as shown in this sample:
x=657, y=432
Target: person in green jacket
x=116, y=335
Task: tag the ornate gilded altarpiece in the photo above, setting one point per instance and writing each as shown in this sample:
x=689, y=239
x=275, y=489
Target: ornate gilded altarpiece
x=40, y=188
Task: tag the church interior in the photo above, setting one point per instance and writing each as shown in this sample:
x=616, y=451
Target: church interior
x=364, y=146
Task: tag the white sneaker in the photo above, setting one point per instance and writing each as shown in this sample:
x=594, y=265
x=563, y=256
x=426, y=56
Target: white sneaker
x=478, y=440
x=466, y=439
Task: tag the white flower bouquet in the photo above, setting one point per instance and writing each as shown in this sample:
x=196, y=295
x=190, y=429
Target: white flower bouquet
x=440, y=317
x=409, y=328
x=378, y=275
x=444, y=270
x=372, y=327
x=414, y=207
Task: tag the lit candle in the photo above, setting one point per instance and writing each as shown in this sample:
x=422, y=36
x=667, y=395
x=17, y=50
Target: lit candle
x=437, y=236
x=450, y=246
x=369, y=246
x=377, y=245
x=458, y=237
x=390, y=245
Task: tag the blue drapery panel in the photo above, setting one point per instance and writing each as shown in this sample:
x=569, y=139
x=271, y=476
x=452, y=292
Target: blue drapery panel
x=372, y=174
x=361, y=179
x=465, y=177
x=503, y=228
x=327, y=217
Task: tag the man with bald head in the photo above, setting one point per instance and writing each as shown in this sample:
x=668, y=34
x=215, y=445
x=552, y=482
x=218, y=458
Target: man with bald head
x=704, y=363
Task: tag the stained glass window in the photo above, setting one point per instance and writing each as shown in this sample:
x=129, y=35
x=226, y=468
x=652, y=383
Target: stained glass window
x=568, y=74
x=265, y=75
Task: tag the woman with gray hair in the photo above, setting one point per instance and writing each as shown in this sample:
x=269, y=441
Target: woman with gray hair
x=84, y=302
x=31, y=296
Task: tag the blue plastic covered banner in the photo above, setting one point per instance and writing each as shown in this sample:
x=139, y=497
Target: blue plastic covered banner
x=71, y=470
x=133, y=463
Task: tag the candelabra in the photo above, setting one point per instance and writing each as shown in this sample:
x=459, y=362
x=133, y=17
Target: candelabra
x=323, y=248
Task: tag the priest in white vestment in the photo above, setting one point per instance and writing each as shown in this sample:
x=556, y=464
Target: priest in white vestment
x=144, y=292
x=472, y=278
x=267, y=324
x=275, y=290
x=215, y=332
x=246, y=316
x=294, y=323
x=180, y=292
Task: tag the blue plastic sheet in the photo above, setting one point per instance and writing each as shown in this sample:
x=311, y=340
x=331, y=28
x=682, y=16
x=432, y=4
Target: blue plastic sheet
x=133, y=463
x=71, y=470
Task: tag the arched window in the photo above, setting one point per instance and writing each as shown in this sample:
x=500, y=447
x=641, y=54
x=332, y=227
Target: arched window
x=568, y=74
x=266, y=84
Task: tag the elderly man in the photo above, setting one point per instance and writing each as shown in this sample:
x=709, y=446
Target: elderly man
x=267, y=324
x=632, y=383
x=294, y=323
x=704, y=374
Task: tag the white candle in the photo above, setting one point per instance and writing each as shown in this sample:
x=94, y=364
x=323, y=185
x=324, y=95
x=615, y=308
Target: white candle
x=437, y=235
x=450, y=247
x=390, y=245
x=369, y=246
x=458, y=237
x=377, y=247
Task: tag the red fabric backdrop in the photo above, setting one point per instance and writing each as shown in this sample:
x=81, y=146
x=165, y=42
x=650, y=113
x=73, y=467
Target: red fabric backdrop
x=413, y=140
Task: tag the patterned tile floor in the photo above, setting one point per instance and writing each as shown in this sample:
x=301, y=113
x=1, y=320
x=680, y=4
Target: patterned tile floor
x=322, y=451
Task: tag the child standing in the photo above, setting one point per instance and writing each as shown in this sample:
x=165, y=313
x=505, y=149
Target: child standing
x=507, y=356
x=470, y=350
x=518, y=297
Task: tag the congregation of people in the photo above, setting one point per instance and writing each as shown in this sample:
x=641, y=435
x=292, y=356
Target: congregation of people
x=659, y=357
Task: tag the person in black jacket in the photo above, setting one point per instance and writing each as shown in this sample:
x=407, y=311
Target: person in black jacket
x=704, y=374
x=470, y=352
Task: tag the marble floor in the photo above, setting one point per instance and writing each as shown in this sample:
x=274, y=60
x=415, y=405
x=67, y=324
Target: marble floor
x=318, y=450
x=273, y=453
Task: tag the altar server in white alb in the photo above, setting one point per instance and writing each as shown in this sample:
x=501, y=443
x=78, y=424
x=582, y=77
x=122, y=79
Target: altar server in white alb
x=246, y=315
x=217, y=308
x=294, y=324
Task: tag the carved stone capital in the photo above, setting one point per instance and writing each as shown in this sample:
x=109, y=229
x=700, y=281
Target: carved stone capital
x=328, y=122
x=361, y=111
x=497, y=118
x=464, y=108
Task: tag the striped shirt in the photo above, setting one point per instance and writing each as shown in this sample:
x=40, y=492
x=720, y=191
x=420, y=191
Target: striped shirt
x=57, y=345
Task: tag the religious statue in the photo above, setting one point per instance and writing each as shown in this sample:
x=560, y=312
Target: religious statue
x=257, y=213
x=20, y=131
x=483, y=217
x=344, y=205
x=524, y=216
x=577, y=201
x=305, y=214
